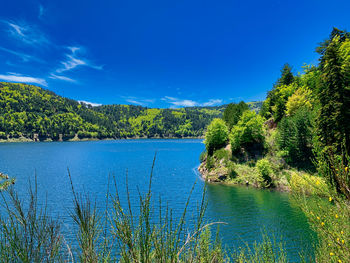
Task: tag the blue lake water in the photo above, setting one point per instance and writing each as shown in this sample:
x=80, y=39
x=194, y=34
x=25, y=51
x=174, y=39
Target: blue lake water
x=246, y=211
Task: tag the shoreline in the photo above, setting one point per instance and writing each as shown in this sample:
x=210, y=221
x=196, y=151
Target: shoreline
x=220, y=175
x=24, y=139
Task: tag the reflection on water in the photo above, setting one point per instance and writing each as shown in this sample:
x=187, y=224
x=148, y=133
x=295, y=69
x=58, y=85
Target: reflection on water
x=247, y=211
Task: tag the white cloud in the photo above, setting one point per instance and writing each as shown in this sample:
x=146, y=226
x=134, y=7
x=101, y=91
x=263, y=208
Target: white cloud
x=26, y=33
x=14, y=77
x=90, y=103
x=24, y=57
x=72, y=61
x=60, y=77
x=138, y=101
x=212, y=102
x=176, y=102
x=135, y=102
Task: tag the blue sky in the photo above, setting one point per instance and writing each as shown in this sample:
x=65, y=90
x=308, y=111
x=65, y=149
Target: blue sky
x=162, y=53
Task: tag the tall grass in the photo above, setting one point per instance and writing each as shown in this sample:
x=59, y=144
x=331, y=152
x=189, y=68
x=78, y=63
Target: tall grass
x=146, y=233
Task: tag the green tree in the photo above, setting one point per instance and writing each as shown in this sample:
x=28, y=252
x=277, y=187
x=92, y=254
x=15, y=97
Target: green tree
x=248, y=131
x=295, y=138
x=275, y=103
x=233, y=113
x=287, y=76
x=302, y=97
x=216, y=135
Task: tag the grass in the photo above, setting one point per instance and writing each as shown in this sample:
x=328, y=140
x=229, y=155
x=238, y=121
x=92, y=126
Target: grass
x=120, y=233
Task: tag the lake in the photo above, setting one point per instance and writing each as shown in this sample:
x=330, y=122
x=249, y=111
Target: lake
x=246, y=211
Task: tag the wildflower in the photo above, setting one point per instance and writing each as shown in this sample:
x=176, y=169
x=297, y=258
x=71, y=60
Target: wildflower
x=318, y=218
x=341, y=232
x=346, y=169
x=339, y=261
x=317, y=182
x=331, y=254
x=322, y=224
x=338, y=239
x=330, y=199
x=342, y=241
x=336, y=216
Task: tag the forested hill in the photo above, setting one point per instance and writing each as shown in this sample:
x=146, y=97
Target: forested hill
x=27, y=111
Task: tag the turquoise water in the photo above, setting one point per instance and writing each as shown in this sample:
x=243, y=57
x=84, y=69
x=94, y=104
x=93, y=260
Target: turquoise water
x=246, y=211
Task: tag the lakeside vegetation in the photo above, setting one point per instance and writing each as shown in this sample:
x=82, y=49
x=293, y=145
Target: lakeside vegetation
x=29, y=113
x=299, y=142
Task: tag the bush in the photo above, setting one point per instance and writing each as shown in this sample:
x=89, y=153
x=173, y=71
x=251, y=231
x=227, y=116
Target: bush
x=264, y=168
x=307, y=184
x=3, y=135
x=216, y=135
x=294, y=137
x=233, y=113
x=249, y=130
x=231, y=170
x=210, y=162
x=221, y=154
x=203, y=156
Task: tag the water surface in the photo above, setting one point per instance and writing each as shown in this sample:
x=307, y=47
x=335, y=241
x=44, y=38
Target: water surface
x=246, y=211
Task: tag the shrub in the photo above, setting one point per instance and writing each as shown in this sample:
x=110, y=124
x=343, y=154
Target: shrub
x=264, y=168
x=210, y=162
x=249, y=130
x=295, y=135
x=221, y=154
x=307, y=184
x=231, y=170
x=216, y=135
x=203, y=156
x=3, y=135
x=233, y=113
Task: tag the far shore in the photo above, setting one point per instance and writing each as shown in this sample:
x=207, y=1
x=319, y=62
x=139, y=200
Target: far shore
x=24, y=139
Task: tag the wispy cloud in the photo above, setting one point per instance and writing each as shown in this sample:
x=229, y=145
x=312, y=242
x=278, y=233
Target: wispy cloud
x=60, y=77
x=41, y=11
x=90, y=103
x=176, y=102
x=72, y=61
x=28, y=34
x=24, y=57
x=212, y=102
x=138, y=101
x=15, y=77
x=180, y=102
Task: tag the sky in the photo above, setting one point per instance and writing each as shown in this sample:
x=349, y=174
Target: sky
x=160, y=53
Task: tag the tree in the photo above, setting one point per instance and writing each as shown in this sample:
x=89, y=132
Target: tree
x=248, y=131
x=333, y=127
x=333, y=120
x=295, y=137
x=302, y=97
x=233, y=112
x=216, y=135
x=274, y=105
x=287, y=76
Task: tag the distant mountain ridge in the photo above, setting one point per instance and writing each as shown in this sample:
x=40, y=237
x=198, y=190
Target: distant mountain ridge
x=32, y=112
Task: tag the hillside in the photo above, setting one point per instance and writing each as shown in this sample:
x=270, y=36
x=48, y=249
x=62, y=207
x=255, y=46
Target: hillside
x=28, y=110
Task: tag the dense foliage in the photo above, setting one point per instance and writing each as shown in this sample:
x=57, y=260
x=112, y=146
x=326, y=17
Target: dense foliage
x=26, y=110
x=216, y=135
x=233, y=113
x=248, y=131
x=307, y=131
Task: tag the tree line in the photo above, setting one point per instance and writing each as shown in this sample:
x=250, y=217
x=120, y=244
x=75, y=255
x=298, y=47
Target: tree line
x=26, y=110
